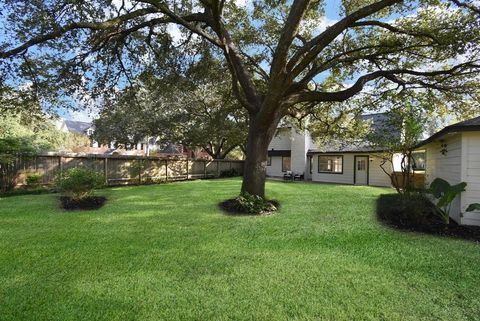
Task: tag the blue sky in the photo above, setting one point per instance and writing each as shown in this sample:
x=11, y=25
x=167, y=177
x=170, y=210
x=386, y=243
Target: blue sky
x=332, y=15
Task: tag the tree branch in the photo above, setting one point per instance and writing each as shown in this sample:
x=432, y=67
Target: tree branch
x=303, y=57
x=343, y=95
x=109, y=24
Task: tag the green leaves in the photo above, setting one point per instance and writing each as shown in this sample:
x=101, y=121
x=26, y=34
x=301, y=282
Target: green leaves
x=78, y=182
x=445, y=193
x=473, y=207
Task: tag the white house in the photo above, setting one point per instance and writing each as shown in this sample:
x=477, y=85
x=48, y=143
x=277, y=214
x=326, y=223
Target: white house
x=294, y=150
x=454, y=155
x=145, y=146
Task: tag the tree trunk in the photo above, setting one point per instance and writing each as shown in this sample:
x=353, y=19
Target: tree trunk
x=256, y=161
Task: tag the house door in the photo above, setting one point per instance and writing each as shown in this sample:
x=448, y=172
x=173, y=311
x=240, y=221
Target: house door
x=361, y=170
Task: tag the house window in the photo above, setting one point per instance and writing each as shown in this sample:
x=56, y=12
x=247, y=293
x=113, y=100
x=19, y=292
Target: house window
x=269, y=160
x=361, y=165
x=418, y=160
x=330, y=164
x=285, y=163
x=310, y=163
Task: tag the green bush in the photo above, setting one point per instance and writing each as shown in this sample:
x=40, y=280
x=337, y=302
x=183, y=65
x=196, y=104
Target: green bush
x=33, y=179
x=78, y=183
x=254, y=204
x=229, y=173
x=407, y=211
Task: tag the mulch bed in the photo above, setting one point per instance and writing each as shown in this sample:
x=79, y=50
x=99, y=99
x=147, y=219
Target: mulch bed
x=391, y=213
x=88, y=203
x=230, y=207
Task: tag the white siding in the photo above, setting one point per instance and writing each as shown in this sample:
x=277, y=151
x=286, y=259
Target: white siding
x=376, y=174
x=345, y=178
x=448, y=166
x=281, y=140
x=299, y=151
x=275, y=169
x=471, y=175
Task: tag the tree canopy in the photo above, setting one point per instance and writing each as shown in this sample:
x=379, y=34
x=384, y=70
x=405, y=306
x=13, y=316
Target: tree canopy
x=197, y=110
x=283, y=57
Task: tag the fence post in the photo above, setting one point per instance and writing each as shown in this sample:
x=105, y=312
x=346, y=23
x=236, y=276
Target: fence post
x=218, y=167
x=166, y=170
x=187, y=168
x=60, y=165
x=204, y=168
x=140, y=172
x=105, y=170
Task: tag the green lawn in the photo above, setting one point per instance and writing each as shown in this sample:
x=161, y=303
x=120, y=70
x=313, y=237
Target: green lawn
x=166, y=252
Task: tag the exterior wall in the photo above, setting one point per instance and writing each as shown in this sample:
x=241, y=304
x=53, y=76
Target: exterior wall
x=299, y=151
x=470, y=175
x=345, y=178
x=376, y=175
x=275, y=169
x=281, y=140
x=448, y=166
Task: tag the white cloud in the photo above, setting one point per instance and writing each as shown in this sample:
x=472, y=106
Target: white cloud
x=174, y=32
x=317, y=26
x=323, y=23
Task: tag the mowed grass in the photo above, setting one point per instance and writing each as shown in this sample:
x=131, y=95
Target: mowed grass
x=166, y=252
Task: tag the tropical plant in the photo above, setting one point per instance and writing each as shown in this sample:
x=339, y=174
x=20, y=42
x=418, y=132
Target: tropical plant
x=78, y=183
x=473, y=207
x=445, y=193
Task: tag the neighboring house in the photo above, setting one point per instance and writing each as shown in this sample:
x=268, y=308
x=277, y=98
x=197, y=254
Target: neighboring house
x=336, y=162
x=88, y=129
x=148, y=146
x=79, y=127
x=454, y=155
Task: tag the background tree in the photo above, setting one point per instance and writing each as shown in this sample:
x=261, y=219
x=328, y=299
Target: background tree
x=277, y=56
x=398, y=137
x=24, y=134
x=196, y=110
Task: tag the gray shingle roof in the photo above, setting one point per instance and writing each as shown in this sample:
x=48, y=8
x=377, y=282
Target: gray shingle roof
x=380, y=124
x=469, y=125
x=77, y=126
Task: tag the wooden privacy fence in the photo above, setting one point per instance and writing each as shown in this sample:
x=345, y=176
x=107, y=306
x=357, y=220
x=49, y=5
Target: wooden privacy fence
x=418, y=179
x=119, y=170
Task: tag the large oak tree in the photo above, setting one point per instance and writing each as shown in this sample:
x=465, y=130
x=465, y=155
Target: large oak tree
x=280, y=60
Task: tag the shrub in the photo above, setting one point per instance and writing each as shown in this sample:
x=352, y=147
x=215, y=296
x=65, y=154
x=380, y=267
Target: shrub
x=254, y=204
x=408, y=211
x=33, y=179
x=78, y=183
x=229, y=173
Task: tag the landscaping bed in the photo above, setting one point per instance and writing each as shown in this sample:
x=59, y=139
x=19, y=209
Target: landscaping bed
x=418, y=215
x=87, y=203
x=246, y=204
x=232, y=207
